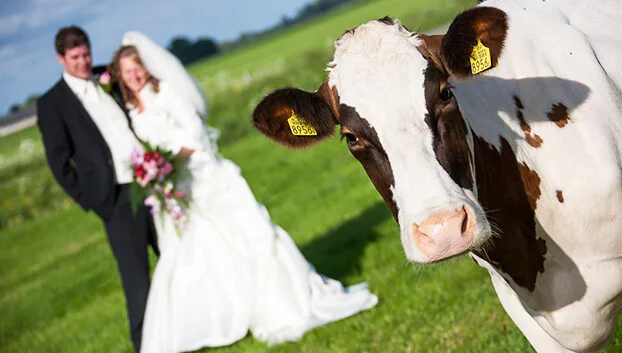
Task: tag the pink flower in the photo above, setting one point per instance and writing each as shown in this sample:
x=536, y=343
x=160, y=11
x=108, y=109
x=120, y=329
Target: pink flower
x=104, y=78
x=136, y=156
x=153, y=202
x=180, y=194
x=166, y=169
x=151, y=167
x=172, y=206
x=144, y=181
x=178, y=214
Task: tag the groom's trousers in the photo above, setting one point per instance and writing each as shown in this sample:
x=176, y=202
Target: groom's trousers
x=129, y=235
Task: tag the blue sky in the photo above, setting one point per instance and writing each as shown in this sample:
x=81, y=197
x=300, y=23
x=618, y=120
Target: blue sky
x=27, y=27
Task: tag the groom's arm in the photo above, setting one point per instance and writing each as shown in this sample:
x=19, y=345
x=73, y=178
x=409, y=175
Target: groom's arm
x=58, y=149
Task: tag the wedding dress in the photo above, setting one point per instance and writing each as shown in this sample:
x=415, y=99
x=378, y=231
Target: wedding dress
x=230, y=270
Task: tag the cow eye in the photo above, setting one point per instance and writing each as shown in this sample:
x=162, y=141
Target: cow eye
x=446, y=94
x=350, y=138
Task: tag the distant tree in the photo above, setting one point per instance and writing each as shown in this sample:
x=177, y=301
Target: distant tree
x=205, y=47
x=31, y=100
x=317, y=7
x=179, y=46
x=224, y=46
x=189, y=52
x=286, y=21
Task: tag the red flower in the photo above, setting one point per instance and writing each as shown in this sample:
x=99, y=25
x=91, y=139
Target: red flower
x=147, y=157
x=139, y=171
x=155, y=155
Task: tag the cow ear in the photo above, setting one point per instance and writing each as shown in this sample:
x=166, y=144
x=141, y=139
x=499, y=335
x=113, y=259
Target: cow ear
x=485, y=25
x=430, y=49
x=297, y=118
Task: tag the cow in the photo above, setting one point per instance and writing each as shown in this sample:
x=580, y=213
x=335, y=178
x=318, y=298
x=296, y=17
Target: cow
x=502, y=139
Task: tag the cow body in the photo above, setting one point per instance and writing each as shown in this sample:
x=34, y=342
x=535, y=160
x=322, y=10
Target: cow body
x=519, y=165
x=578, y=214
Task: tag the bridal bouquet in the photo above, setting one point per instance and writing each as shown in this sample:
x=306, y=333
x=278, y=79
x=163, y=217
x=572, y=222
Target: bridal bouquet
x=155, y=174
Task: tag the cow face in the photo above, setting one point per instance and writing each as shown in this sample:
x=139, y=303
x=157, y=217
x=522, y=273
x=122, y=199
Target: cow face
x=389, y=91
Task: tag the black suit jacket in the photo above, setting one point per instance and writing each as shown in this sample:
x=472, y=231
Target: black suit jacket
x=76, y=150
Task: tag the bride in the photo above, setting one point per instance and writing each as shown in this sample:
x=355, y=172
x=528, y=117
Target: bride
x=231, y=270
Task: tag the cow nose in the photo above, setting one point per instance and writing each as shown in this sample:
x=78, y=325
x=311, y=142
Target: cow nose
x=445, y=234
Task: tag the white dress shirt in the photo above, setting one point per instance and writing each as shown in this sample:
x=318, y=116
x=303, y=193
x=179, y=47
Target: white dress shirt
x=111, y=122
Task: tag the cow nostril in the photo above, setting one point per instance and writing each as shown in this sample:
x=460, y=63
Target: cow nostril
x=465, y=222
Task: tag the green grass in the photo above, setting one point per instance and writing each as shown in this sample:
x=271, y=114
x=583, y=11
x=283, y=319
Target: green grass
x=60, y=290
x=9, y=145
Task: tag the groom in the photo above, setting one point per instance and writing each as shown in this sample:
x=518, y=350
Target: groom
x=88, y=142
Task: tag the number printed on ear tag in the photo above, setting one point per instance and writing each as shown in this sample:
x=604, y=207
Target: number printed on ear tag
x=480, y=58
x=300, y=127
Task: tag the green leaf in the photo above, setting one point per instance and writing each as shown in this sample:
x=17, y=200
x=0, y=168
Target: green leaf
x=138, y=195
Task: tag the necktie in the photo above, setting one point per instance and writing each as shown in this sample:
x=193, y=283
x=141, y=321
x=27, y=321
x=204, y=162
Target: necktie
x=92, y=91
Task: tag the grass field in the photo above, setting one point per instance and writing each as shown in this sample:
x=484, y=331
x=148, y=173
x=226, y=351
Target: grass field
x=60, y=291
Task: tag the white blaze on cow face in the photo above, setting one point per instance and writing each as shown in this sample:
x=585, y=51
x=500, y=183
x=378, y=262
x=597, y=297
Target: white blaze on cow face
x=379, y=72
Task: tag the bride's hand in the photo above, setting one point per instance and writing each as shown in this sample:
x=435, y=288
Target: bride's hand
x=185, y=153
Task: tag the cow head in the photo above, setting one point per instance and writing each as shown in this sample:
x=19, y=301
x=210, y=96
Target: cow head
x=389, y=91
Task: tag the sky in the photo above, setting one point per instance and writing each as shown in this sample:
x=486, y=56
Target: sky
x=28, y=62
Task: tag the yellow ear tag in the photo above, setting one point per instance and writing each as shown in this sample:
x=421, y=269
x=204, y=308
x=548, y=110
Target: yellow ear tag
x=300, y=127
x=480, y=58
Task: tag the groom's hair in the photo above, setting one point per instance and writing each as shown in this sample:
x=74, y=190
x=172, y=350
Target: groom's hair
x=70, y=37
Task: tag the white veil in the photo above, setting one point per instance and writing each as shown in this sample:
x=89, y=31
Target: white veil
x=166, y=67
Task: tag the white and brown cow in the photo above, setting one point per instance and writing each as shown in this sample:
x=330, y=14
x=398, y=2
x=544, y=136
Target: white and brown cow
x=519, y=165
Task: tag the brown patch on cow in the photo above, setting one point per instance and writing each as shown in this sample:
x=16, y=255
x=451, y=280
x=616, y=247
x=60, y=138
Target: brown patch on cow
x=387, y=20
x=448, y=129
x=559, y=115
x=533, y=140
x=368, y=150
x=510, y=190
x=531, y=184
x=488, y=24
x=331, y=97
x=560, y=196
x=348, y=31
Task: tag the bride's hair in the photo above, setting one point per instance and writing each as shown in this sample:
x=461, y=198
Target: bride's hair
x=115, y=71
